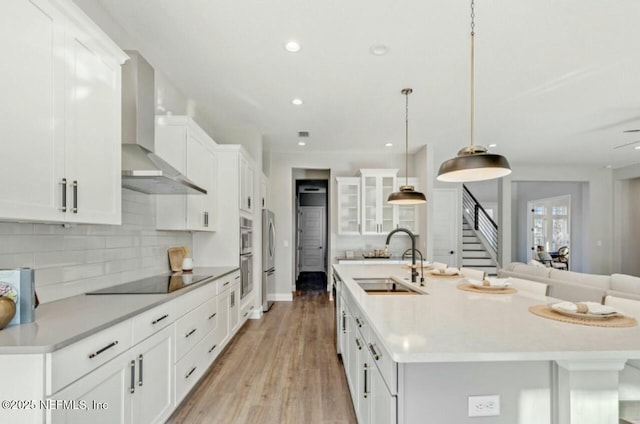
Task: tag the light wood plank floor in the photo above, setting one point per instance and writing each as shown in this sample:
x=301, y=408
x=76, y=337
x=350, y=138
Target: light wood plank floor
x=280, y=369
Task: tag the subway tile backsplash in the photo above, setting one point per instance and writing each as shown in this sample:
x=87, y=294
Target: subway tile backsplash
x=81, y=258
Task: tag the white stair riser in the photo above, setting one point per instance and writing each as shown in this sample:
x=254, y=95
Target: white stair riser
x=472, y=246
x=475, y=254
x=477, y=261
x=470, y=239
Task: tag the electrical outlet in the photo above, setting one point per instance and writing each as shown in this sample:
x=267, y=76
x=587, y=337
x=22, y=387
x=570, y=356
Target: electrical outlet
x=484, y=406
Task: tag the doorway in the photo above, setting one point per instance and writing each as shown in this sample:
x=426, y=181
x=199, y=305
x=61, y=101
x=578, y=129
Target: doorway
x=311, y=230
x=549, y=221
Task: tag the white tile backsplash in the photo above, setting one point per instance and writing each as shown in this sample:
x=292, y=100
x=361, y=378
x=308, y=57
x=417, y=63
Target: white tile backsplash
x=80, y=258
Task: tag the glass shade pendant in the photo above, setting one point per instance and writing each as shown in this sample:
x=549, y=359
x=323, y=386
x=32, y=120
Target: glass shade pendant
x=407, y=194
x=473, y=163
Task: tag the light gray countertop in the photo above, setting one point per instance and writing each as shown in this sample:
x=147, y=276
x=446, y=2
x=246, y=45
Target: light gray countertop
x=451, y=325
x=63, y=322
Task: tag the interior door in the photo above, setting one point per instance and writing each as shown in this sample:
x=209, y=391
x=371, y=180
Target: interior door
x=311, y=244
x=549, y=221
x=445, y=223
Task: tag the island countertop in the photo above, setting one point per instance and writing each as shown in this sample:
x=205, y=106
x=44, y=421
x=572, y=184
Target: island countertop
x=63, y=322
x=451, y=325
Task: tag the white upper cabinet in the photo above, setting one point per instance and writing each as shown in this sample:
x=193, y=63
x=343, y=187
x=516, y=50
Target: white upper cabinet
x=61, y=117
x=182, y=143
x=348, y=205
x=246, y=184
x=378, y=216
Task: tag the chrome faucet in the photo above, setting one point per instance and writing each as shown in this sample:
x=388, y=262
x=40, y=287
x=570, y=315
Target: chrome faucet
x=414, y=273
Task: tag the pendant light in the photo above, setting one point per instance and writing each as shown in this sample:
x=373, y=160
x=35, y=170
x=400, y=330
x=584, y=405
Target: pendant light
x=473, y=163
x=407, y=195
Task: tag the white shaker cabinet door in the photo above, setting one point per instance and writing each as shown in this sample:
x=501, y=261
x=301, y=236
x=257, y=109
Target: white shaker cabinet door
x=32, y=110
x=93, y=131
x=105, y=394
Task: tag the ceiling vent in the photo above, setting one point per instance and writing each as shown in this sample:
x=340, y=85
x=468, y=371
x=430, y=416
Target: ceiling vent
x=303, y=134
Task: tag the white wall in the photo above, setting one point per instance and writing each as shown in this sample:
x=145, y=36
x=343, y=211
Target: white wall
x=81, y=258
x=281, y=189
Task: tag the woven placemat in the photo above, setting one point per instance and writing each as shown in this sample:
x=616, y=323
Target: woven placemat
x=471, y=288
x=458, y=276
x=545, y=311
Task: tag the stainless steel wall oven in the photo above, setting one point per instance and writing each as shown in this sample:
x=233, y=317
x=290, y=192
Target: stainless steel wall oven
x=246, y=256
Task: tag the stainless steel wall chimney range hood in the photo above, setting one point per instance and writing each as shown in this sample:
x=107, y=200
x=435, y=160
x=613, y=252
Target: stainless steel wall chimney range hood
x=142, y=169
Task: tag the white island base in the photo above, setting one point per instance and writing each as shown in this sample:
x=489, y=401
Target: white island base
x=433, y=352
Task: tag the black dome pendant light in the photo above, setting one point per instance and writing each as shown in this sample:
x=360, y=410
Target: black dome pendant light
x=473, y=163
x=407, y=195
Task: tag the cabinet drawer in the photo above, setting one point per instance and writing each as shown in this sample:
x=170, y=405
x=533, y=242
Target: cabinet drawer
x=224, y=283
x=387, y=367
x=246, y=311
x=188, y=302
x=188, y=372
x=191, y=328
x=210, y=347
x=147, y=323
x=72, y=362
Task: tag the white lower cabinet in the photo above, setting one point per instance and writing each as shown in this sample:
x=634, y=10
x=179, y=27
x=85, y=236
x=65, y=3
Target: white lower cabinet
x=369, y=369
x=135, y=387
x=234, y=308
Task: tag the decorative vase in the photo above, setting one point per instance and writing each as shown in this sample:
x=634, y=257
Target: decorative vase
x=7, y=311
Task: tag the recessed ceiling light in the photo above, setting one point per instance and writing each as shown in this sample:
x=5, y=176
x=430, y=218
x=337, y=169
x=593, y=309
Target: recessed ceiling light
x=388, y=144
x=292, y=46
x=379, y=49
x=608, y=167
x=493, y=145
x=296, y=102
x=301, y=143
x=637, y=147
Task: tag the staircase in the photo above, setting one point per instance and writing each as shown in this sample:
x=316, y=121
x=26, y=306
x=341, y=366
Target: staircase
x=474, y=254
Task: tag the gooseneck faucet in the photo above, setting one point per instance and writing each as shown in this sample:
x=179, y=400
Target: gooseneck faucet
x=414, y=273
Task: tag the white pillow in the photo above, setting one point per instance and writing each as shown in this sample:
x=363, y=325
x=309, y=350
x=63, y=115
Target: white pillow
x=533, y=262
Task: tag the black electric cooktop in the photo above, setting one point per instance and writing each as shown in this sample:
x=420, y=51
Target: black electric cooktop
x=154, y=285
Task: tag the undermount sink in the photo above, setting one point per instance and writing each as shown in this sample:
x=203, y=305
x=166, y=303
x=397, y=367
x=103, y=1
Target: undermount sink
x=384, y=286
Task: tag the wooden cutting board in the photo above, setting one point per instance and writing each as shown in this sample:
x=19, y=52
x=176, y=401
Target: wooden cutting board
x=176, y=255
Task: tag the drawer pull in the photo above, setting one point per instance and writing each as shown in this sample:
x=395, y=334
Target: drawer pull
x=358, y=322
x=358, y=344
x=237, y=277
x=190, y=333
x=252, y=306
x=212, y=347
x=155, y=321
x=140, y=370
x=245, y=314
x=190, y=372
x=226, y=284
x=375, y=354
x=213, y=315
x=344, y=322
x=132, y=367
x=98, y=352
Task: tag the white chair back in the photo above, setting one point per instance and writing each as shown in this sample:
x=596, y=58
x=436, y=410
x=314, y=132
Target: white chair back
x=474, y=274
x=533, y=287
x=626, y=306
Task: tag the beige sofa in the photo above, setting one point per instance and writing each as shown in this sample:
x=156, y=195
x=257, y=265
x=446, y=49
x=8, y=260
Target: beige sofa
x=576, y=286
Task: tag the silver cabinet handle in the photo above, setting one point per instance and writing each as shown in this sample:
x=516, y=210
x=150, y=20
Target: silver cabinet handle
x=366, y=383
x=140, y=370
x=155, y=321
x=245, y=314
x=64, y=195
x=358, y=344
x=375, y=354
x=359, y=322
x=249, y=202
x=99, y=351
x=212, y=315
x=226, y=284
x=206, y=219
x=190, y=372
x=190, y=333
x=132, y=367
x=213, y=347
x=232, y=299
x=237, y=277
x=75, y=197
x=344, y=324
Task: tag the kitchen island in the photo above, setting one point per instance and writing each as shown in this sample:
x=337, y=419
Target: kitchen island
x=433, y=351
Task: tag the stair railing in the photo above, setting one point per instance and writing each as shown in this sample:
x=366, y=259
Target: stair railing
x=481, y=222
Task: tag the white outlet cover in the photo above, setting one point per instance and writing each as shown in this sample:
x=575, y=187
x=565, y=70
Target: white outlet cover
x=484, y=406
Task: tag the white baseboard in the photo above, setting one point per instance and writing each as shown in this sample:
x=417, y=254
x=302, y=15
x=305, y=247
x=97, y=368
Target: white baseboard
x=281, y=297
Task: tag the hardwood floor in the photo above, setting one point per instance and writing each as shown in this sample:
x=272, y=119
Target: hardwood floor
x=280, y=369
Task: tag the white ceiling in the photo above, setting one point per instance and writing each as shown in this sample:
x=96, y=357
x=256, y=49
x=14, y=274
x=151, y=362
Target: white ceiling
x=557, y=81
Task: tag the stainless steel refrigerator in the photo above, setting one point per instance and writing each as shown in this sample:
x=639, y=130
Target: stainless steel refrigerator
x=268, y=258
